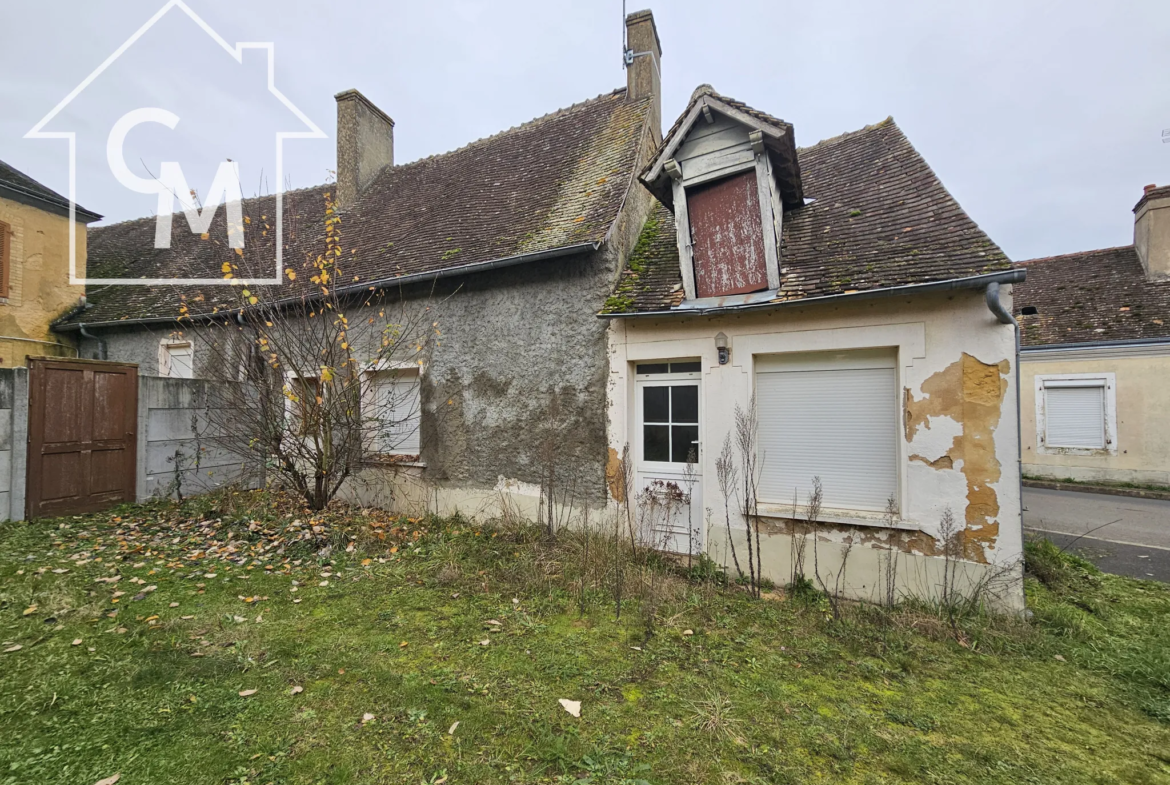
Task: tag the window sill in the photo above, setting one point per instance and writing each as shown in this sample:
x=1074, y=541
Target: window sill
x=837, y=516
x=395, y=459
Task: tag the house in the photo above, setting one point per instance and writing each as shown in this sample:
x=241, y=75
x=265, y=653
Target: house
x=1095, y=330
x=35, y=283
x=636, y=289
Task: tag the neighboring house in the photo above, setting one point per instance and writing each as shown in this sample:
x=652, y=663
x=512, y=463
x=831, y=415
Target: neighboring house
x=638, y=290
x=34, y=267
x=1096, y=357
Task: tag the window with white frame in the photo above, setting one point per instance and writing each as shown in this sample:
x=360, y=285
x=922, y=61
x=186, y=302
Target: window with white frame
x=1075, y=412
x=176, y=359
x=395, y=407
x=832, y=415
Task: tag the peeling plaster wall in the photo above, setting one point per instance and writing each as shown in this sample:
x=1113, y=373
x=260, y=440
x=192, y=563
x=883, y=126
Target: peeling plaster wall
x=1142, y=449
x=959, y=445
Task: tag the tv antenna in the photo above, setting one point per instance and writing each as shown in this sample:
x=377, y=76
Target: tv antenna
x=628, y=54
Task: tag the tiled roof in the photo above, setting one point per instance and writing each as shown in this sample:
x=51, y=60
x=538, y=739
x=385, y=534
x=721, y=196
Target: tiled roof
x=557, y=181
x=19, y=186
x=881, y=218
x=1091, y=297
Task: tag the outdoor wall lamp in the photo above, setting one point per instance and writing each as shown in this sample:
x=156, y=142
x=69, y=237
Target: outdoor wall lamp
x=721, y=345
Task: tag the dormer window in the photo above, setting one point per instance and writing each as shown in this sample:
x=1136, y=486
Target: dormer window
x=727, y=239
x=728, y=173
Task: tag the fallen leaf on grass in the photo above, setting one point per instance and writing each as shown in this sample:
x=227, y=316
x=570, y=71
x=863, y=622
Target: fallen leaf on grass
x=76, y=642
x=367, y=717
x=11, y=649
x=1059, y=657
x=573, y=707
x=29, y=610
x=688, y=632
x=484, y=642
x=297, y=690
x=246, y=693
x=403, y=645
x=173, y=605
x=109, y=780
x=451, y=730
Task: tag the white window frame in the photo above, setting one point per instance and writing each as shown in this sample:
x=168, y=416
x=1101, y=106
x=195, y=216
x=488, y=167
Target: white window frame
x=370, y=370
x=664, y=380
x=164, y=356
x=1106, y=380
x=783, y=507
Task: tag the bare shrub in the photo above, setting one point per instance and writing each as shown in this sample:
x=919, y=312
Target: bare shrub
x=307, y=370
x=749, y=474
x=727, y=478
x=888, y=560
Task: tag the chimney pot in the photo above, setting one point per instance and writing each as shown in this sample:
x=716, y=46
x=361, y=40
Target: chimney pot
x=1149, y=188
x=365, y=145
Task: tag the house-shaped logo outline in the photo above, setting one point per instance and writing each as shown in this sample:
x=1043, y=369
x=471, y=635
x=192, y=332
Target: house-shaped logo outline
x=237, y=53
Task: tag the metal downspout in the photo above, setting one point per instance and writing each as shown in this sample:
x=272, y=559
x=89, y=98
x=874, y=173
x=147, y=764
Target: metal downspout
x=991, y=296
x=101, y=342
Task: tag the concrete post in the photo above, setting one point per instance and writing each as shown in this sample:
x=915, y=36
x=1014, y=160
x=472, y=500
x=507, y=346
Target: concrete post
x=16, y=494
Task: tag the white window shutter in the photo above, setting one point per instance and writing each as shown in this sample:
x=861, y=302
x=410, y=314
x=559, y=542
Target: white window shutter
x=1074, y=416
x=829, y=419
x=181, y=362
x=396, y=396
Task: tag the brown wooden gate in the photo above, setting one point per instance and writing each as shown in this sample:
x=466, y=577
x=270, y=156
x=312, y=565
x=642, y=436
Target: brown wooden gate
x=82, y=435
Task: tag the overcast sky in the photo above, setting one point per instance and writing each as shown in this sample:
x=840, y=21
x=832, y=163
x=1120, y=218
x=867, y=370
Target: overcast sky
x=1044, y=118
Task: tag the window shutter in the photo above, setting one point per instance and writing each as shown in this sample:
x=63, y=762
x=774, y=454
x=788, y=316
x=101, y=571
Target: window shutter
x=399, y=407
x=5, y=257
x=1074, y=416
x=180, y=361
x=829, y=418
x=727, y=236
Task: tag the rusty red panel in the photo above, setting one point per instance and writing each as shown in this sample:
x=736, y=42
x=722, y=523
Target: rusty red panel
x=726, y=238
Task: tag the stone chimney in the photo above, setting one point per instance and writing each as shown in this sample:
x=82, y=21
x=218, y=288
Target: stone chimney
x=1151, y=231
x=644, y=65
x=365, y=144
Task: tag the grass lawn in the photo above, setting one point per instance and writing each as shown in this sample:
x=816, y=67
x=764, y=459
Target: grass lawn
x=214, y=642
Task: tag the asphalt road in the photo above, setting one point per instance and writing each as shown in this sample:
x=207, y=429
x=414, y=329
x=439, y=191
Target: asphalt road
x=1119, y=534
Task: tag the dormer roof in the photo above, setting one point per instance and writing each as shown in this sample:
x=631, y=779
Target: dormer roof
x=776, y=136
x=880, y=219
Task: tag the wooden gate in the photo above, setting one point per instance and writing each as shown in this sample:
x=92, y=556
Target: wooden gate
x=82, y=435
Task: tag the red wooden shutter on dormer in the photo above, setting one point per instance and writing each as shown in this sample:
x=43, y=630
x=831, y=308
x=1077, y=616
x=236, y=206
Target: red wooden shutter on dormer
x=726, y=238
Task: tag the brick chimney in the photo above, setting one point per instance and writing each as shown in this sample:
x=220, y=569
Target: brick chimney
x=365, y=144
x=1151, y=231
x=644, y=71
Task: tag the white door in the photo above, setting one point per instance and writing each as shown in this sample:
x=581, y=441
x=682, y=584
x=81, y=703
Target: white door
x=667, y=452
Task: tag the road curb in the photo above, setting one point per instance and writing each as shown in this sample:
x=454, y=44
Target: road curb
x=1109, y=490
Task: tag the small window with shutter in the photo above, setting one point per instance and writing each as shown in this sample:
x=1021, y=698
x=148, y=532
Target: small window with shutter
x=5, y=257
x=1075, y=413
x=831, y=415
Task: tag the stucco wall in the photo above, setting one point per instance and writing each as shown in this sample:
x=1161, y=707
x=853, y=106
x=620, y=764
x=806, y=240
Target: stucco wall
x=38, y=283
x=1141, y=452
x=509, y=340
x=957, y=445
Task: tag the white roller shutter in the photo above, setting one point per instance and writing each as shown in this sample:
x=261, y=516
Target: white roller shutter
x=397, y=406
x=832, y=416
x=1074, y=416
